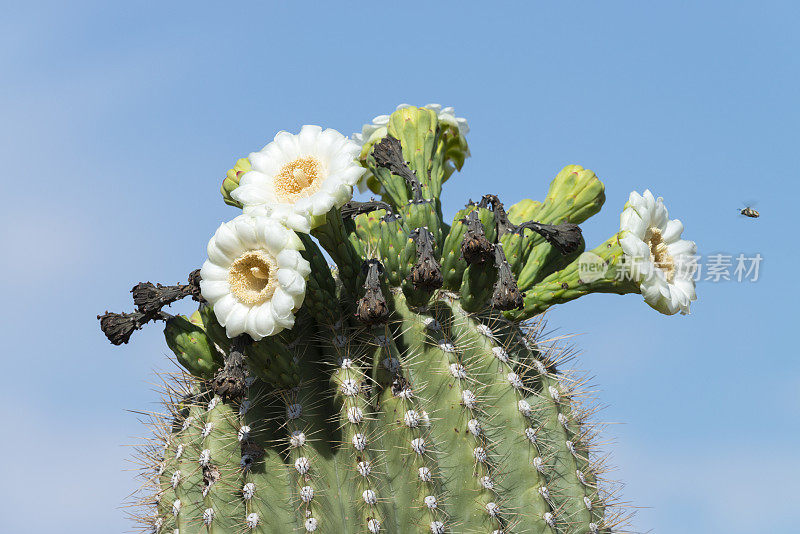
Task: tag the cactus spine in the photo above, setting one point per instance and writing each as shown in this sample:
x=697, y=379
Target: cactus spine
x=411, y=392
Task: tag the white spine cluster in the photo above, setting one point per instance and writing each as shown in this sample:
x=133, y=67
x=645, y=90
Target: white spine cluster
x=425, y=474
x=297, y=439
x=208, y=516
x=350, y=387
x=457, y=371
x=485, y=331
x=306, y=494
x=369, y=497
x=302, y=465
x=411, y=419
x=515, y=380
x=359, y=442
x=500, y=353
x=468, y=399
x=474, y=427
x=248, y=490
x=355, y=415
x=493, y=509
x=364, y=468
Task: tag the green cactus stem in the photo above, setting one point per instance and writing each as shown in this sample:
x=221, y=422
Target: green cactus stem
x=411, y=391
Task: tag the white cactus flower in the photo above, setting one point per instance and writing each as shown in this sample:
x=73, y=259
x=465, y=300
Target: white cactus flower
x=299, y=176
x=661, y=262
x=255, y=277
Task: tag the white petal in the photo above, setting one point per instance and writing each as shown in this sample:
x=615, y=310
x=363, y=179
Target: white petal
x=265, y=323
x=236, y=321
x=298, y=300
x=659, y=215
x=217, y=256
x=267, y=162
x=213, y=290
x=223, y=308
x=251, y=326
x=673, y=231
x=307, y=138
x=213, y=272
x=682, y=247
x=635, y=248
x=284, y=322
x=252, y=195
x=630, y=220
x=298, y=222
x=273, y=235
x=228, y=241
x=282, y=303
x=291, y=259
x=246, y=232
x=687, y=287
x=321, y=203
x=291, y=281
x=288, y=145
x=651, y=290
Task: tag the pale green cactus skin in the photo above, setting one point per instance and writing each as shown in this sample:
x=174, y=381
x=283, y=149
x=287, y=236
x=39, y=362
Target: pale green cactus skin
x=450, y=417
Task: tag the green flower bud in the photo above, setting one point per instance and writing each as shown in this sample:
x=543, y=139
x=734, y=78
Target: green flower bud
x=193, y=348
x=231, y=181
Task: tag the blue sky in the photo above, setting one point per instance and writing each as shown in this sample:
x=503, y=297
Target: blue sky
x=120, y=119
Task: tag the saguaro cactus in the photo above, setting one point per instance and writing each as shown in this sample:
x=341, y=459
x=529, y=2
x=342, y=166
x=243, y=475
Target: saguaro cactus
x=406, y=388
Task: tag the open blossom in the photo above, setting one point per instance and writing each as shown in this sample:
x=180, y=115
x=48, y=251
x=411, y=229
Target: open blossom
x=661, y=262
x=255, y=277
x=299, y=176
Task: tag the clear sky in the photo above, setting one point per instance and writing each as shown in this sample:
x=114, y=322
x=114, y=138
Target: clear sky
x=119, y=119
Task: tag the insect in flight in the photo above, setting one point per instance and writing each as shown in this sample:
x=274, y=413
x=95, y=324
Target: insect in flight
x=749, y=212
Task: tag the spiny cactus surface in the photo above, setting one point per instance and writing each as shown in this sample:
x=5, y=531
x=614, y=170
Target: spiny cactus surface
x=405, y=389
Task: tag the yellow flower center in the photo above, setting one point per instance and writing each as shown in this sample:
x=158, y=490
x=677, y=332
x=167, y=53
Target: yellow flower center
x=252, y=277
x=298, y=179
x=658, y=252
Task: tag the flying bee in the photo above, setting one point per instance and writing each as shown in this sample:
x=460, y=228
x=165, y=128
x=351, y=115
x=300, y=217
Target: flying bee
x=749, y=212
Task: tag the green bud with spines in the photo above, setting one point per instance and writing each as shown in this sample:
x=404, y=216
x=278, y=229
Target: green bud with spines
x=424, y=214
x=393, y=242
x=365, y=234
x=524, y=210
x=192, y=347
x=416, y=129
x=575, y=194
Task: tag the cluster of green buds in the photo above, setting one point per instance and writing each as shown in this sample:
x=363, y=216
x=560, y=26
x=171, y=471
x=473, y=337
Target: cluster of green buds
x=404, y=388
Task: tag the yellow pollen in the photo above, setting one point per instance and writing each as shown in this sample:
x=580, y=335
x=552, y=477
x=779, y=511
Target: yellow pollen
x=659, y=254
x=252, y=277
x=299, y=179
